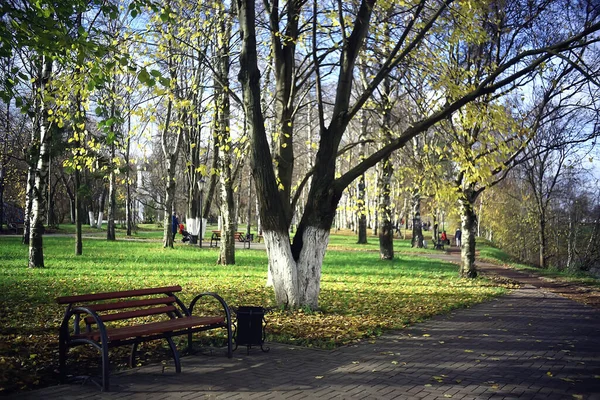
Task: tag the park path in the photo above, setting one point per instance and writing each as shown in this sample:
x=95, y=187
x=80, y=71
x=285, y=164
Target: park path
x=528, y=344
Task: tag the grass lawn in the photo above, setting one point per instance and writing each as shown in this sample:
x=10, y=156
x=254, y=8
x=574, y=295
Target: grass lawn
x=361, y=295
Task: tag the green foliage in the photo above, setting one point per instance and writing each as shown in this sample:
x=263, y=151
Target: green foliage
x=361, y=295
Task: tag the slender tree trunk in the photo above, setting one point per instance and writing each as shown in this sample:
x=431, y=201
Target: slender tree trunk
x=101, y=204
x=227, y=180
x=50, y=192
x=361, y=204
x=32, y=157
x=362, y=212
x=249, y=211
x=171, y=159
x=4, y=158
x=2, y=175
x=386, y=235
x=38, y=206
x=112, y=204
x=386, y=232
x=128, y=199
x=542, y=239
x=417, y=227
x=78, y=215
x=468, y=227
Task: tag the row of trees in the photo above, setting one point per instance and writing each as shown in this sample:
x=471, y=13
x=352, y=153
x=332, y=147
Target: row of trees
x=406, y=100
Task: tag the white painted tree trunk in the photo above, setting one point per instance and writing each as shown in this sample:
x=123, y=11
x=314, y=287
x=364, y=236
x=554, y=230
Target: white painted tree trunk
x=92, y=221
x=309, y=265
x=100, y=219
x=296, y=283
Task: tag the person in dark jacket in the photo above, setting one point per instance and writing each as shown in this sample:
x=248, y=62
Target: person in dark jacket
x=174, y=224
x=458, y=237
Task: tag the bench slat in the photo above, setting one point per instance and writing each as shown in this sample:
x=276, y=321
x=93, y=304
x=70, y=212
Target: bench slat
x=131, y=304
x=133, y=314
x=153, y=328
x=117, y=295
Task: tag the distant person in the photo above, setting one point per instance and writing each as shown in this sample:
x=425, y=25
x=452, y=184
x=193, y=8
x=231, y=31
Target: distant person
x=174, y=224
x=445, y=238
x=458, y=236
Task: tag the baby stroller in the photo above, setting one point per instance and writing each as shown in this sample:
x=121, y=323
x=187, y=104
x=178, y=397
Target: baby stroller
x=186, y=235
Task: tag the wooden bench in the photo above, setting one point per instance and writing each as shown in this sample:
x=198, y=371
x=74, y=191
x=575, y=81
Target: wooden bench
x=215, y=238
x=124, y=320
x=239, y=236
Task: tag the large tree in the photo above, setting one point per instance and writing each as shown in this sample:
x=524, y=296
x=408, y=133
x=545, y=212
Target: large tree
x=296, y=267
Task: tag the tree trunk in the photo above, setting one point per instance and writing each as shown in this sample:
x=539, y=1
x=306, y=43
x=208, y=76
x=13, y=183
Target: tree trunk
x=38, y=206
x=112, y=204
x=32, y=158
x=51, y=192
x=542, y=239
x=128, y=199
x=2, y=175
x=78, y=215
x=386, y=235
x=171, y=161
x=226, y=176
x=169, y=203
x=361, y=204
x=362, y=212
x=3, y=161
x=417, y=228
x=249, y=211
x=468, y=227
x=386, y=227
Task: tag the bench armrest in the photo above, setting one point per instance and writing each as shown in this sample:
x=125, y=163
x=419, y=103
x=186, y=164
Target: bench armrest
x=218, y=298
x=77, y=312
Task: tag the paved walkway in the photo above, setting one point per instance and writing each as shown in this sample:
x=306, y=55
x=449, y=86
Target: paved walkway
x=529, y=344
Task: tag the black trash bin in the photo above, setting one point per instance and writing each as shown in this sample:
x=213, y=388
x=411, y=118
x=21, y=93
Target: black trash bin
x=250, y=327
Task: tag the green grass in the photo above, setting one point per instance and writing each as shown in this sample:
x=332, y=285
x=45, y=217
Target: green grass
x=361, y=295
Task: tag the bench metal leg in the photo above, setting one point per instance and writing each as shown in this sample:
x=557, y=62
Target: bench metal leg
x=62, y=360
x=132, y=355
x=105, y=368
x=175, y=354
x=190, y=345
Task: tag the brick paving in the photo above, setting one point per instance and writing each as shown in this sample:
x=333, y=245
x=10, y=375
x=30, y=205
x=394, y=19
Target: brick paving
x=529, y=344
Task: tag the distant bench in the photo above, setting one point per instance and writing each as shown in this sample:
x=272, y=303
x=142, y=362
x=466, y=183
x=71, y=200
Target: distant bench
x=91, y=320
x=17, y=228
x=239, y=236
